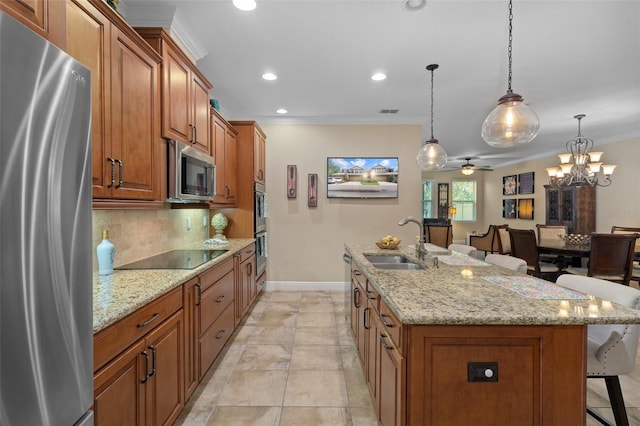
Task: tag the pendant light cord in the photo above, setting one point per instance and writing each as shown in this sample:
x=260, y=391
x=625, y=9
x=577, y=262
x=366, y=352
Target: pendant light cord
x=432, y=104
x=509, y=51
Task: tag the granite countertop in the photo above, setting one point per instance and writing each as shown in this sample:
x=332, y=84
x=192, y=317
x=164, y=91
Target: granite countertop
x=458, y=295
x=116, y=296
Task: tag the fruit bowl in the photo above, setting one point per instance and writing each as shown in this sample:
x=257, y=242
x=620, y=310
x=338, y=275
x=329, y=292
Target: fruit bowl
x=575, y=239
x=388, y=244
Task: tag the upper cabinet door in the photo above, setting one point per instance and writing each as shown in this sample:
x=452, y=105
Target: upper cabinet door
x=200, y=107
x=176, y=114
x=88, y=35
x=45, y=17
x=135, y=116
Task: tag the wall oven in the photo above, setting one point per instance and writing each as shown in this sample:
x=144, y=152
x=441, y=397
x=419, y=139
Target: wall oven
x=260, y=207
x=261, y=252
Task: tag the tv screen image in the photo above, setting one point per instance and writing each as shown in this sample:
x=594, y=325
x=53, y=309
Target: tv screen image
x=362, y=177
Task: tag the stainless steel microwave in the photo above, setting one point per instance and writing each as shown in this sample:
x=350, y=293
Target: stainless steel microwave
x=191, y=174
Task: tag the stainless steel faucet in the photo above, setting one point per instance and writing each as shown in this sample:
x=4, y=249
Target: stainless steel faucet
x=420, y=250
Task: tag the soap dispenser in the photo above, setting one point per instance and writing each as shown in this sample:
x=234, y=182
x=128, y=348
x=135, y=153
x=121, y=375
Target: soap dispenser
x=106, y=254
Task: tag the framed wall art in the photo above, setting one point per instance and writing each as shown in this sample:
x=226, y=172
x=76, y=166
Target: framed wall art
x=525, y=208
x=509, y=208
x=526, y=183
x=292, y=181
x=362, y=177
x=313, y=190
x=510, y=185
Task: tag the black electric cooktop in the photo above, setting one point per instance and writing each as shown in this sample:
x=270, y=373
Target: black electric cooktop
x=175, y=259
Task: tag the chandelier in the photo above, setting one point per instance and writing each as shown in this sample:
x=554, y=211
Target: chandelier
x=580, y=165
x=431, y=156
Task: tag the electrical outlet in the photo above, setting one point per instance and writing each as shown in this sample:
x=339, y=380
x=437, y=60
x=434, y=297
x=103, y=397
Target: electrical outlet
x=189, y=223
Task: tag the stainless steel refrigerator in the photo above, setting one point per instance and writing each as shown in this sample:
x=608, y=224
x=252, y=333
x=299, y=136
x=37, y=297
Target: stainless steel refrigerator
x=46, y=352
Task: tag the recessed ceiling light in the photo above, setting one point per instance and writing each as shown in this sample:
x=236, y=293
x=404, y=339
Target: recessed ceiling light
x=269, y=76
x=378, y=76
x=281, y=111
x=413, y=5
x=245, y=4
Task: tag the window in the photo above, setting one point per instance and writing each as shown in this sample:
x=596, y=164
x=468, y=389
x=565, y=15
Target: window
x=427, y=199
x=463, y=198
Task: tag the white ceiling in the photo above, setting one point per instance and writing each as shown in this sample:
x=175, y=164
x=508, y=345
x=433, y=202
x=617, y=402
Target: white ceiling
x=569, y=57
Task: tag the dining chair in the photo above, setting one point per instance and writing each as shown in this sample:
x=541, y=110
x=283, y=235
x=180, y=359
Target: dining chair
x=506, y=261
x=524, y=246
x=610, y=258
x=439, y=235
x=463, y=248
x=611, y=349
x=628, y=230
x=550, y=232
x=488, y=242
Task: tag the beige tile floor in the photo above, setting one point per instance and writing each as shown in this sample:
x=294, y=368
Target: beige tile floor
x=293, y=362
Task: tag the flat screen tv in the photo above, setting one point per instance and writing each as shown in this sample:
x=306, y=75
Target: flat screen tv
x=362, y=177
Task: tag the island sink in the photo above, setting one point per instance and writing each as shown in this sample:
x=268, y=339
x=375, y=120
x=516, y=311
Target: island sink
x=393, y=261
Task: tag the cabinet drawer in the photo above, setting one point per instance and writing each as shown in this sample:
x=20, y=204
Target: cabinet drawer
x=261, y=281
x=109, y=342
x=358, y=275
x=373, y=297
x=215, y=300
x=213, y=274
x=212, y=341
x=247, y=252
x=391, y=324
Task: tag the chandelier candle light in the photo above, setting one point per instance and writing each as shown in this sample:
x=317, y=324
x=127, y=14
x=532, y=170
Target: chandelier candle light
x=512, y=122
x=431, y=156
x=586, y=164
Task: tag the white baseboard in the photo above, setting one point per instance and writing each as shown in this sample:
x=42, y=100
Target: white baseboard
x=304, y=286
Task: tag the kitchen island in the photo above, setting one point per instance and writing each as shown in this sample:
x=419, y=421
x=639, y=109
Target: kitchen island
x=471, y=343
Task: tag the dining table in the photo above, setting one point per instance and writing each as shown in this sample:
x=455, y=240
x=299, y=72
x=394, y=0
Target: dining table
x=568, y=254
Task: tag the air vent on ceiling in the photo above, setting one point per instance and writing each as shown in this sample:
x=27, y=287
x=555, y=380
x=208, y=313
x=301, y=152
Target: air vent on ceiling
x=389, y=111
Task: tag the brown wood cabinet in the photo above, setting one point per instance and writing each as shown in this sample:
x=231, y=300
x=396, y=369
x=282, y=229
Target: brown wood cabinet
x=245, y=282
x=191, y=294
x=224, y=145
x=139, y=368
x=45, y=17
x=126, y=143
x=215, y=309
x=534, y=367
x=573, y=206
x=185, y=93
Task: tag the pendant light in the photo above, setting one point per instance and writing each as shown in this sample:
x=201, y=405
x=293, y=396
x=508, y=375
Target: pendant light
x=512, y=122
x=431, y=156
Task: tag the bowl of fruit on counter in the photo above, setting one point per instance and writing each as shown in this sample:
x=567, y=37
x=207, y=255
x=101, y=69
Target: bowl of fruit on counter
x=388, y=242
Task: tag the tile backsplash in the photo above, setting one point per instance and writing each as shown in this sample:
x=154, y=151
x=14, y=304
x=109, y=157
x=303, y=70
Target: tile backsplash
x=137, y=234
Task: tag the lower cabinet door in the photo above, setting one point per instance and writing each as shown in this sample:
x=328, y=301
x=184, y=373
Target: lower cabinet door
x=165, y=388
x=119, y=389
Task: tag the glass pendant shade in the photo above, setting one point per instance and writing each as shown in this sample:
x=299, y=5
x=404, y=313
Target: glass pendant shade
x=511, y=123
x=431, y=156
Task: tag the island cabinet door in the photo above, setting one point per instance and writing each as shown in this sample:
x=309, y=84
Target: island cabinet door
x=506, y=375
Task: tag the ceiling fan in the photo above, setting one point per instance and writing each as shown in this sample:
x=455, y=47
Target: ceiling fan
x=468, y=168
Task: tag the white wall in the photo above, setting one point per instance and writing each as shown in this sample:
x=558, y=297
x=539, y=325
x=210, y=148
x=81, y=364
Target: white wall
x=306, y=243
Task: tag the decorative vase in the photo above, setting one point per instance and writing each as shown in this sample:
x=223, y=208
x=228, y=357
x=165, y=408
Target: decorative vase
x=219, y=222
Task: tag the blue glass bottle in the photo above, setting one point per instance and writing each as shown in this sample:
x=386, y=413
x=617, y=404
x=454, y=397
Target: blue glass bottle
x=106, y=254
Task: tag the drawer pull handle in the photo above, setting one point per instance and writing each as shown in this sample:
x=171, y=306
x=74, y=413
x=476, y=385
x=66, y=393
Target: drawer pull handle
x=149, y=321
x=386, y=323
x=384, y=342
x=220, y=299
x=357, y=273
x=199, y=298
x=356, y=297
x=146, y=367
x=221, y=334
x=370, y=295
